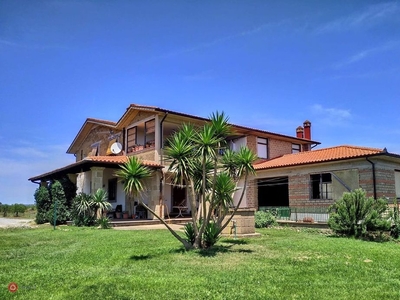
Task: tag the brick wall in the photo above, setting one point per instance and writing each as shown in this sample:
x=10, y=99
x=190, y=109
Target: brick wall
x=245, y=223
x=252, y=194
x=299, y=189
x=385, y=180
x=252, y=143
x=279, y=148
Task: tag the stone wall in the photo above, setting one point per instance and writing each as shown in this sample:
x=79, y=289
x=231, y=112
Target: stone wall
x=97, y=134
x=245, y=224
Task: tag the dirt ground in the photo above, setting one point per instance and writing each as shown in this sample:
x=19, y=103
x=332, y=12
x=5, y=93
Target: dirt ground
x=15, y=222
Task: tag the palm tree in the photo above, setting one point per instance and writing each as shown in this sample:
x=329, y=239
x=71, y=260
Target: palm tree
x=243, y=164
x=133, y=173
x=100, y=202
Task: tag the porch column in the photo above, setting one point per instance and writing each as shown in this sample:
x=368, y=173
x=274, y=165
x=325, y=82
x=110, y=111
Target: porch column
x=97, y=178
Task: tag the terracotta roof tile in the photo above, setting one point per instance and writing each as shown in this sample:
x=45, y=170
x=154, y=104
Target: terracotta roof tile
x=315, y=156
x=120, y=160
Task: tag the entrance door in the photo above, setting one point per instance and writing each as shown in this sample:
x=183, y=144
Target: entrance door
x=178, y=198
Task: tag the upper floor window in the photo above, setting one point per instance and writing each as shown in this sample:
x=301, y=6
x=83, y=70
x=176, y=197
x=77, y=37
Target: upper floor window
x=95, y=149
x=321, y=186
x=131, y=138
x=150, y=133
x=262, y=148
x=296, y=148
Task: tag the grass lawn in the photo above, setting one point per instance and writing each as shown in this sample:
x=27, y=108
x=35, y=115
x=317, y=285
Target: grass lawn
x=88, y=263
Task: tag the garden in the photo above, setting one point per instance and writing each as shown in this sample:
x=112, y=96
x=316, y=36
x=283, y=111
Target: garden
x=283, y=263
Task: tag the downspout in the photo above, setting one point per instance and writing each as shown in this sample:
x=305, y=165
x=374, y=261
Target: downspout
x=373, y=175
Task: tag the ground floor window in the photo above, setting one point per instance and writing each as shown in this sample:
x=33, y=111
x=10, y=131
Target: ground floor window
x=321, y=186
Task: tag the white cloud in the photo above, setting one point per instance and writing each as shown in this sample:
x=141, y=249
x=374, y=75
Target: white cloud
x=366, y=53
x=369, y=16
x=200, y=46
x=19, y=164
x=332, y=116
x=367, y=75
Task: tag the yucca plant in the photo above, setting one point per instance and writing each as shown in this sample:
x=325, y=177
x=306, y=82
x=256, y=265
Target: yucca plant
x=100, y=202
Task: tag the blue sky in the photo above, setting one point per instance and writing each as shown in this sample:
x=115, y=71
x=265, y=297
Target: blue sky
x=267, y=64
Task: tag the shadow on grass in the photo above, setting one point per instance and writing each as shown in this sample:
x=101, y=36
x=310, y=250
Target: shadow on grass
x=376, y=237
x=214, y=250
x=235, y=242
x=141, y=257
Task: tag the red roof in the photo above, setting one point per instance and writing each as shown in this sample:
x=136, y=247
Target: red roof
x=120, y=160
x=316, y=156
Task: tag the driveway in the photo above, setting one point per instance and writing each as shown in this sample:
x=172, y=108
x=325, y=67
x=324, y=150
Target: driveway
x=8, y=222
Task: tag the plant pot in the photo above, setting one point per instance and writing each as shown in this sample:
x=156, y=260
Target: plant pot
x=118, y=215
x=125, y=215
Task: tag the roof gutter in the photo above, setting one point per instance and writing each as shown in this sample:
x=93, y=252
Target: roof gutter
x=373, y=175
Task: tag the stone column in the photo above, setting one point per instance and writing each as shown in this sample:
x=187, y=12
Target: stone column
x=97, y=178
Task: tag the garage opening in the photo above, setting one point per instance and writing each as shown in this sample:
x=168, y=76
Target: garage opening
x=273, y=191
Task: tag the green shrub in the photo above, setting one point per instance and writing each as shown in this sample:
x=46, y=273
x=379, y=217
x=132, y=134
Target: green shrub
x=395, y=218
x=264, y=219
x=188, y=229
x=83, y=211
x=43, y=203
x=103, y=223
x=355, y=215
x=59, y=202
x=211, y=234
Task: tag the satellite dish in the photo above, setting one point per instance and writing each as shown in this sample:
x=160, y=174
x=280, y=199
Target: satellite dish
x=116, y=148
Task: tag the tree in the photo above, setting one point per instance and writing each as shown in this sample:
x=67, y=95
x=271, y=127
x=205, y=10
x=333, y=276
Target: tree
x=59, y=204
x=198, y=158
x=43, y=204
x=17, y=209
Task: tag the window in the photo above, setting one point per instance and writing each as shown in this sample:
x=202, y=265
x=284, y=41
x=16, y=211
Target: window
x=95, y=149
x=131, y=138
x=321, y=186
x=112, y=190
x=262, y=148
x=150, y=131
x=296, y=148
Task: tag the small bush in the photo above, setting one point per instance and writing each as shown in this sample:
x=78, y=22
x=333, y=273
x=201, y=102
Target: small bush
x=395, y=217
x=264, y=219
x=355, y=215
x=103, y=223
x=188, y=229
x=211, y=234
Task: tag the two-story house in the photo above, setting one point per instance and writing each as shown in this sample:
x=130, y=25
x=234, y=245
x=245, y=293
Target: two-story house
x=289, y=171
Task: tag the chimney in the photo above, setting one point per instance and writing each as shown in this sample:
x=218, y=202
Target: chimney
x=307, y=130
x=299, y=132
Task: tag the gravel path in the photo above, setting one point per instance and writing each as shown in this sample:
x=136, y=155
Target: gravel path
x=8, y=222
